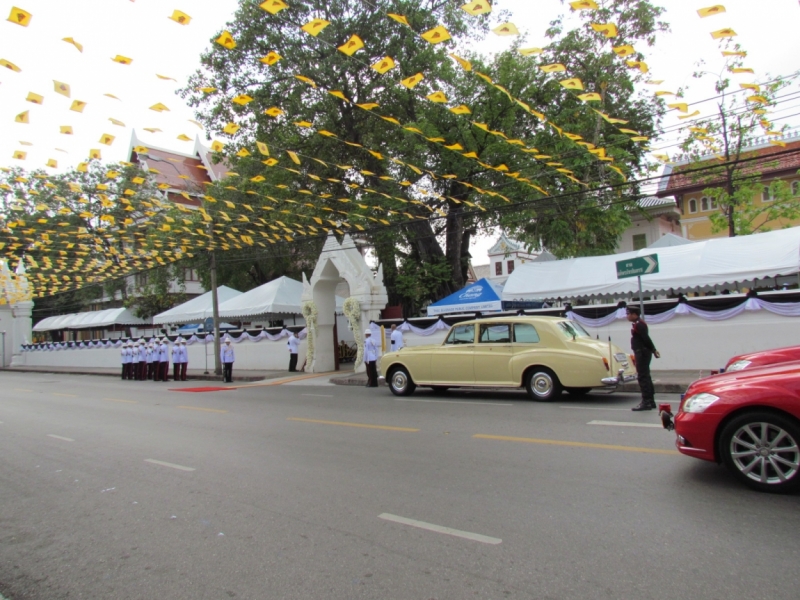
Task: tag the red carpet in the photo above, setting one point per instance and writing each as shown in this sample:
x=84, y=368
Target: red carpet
x=202, y=389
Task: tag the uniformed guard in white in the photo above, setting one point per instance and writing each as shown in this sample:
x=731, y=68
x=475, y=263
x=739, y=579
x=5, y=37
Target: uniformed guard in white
x=123, y=355
x=151, y=360
x=141, y=367
x=227, y=356
x=396, y=339
x=371, y=359
x=177, y=358
x=163, y=360
x=293, y=345
x=184, y=360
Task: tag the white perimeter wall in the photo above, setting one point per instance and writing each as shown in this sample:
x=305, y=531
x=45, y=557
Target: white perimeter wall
x=685, y=342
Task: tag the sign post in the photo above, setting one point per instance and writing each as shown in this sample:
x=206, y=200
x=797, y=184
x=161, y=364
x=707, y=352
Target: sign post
x=636, y=267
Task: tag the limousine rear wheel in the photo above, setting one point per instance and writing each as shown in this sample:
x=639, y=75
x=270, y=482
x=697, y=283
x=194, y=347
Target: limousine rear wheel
x=542, y=384
x=400, y=382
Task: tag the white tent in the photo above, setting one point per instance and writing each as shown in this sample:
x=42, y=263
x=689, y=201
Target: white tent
x=280, y=296
x=195, y=310
x=98, y=319
x=699, y=265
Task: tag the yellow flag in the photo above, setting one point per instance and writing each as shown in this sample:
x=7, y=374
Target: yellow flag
x=217, y=146
x=180, y=17
x=638, y=64
x=607, y=29
x=242, y=99
x=461, y=110
x=66, y=129
x=717, y=9
x=314, y=27
x=77, y=106
x=739, y=70
x=72, y=41
x=231, y=128
x=553, y=68
x=166, y=78
x=19, y=155
x=271, y=58
x=273, y=6
x=293, y=156
x=9, y=65
x=530, y=51
x=19, y=16
x=62, y=88
x=437, y=97
x=399, y=18
x=412, y=81
x=732, y=53
x=572, y=84
x=625, y=50
x=465, y=64
x=506, y=29
x=123, y=60
x=436, y=35
x=351, y=46
x=477, y=7
x=106, y=139
x=226, y=40
x=590, y=97
x=679, y=106
x=159, y=108
x=384, y=65
x=95, y=154
x=307, y=80
x=584, y=5
x=52, y=163
x=262, y=148
x=35, y=98
x=723, y=33
x=274, y=112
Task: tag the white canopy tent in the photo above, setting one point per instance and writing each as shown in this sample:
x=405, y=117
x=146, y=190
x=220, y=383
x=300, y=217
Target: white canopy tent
x=280, y=296
x=699, y=265
x=98, y=319
x=195, y=310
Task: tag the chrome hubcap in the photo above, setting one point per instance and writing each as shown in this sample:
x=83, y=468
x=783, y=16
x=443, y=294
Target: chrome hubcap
x=542, y=384
x=765, y=453
x=399, y=381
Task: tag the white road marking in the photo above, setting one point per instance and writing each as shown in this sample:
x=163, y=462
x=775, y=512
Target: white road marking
x=318, y=395
x=476, y=537
x=595, y=408
x=166, y=464
x=450, y=402
x=58, y=437
x=624, y=424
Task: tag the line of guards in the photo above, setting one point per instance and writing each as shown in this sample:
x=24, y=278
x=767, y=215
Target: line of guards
x=150, y=360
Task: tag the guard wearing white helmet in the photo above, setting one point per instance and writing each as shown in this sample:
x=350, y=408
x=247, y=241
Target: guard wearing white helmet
x=184, y=360
x=151, y=360
x=141, y=371
x=227, y=356
x=371, y=359
x=123, y=356
x=163, y=360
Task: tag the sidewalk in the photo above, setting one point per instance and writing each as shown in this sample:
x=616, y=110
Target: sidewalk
x=191, y=374
x=665, y=382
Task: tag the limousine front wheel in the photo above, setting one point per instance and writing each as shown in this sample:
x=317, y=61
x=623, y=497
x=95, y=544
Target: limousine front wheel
x=400, y=382
x=542, y=384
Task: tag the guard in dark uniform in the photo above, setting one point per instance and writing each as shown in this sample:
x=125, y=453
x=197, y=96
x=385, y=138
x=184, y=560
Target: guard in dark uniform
x=643, y=351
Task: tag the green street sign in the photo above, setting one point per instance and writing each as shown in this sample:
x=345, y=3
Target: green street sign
x=636, y=267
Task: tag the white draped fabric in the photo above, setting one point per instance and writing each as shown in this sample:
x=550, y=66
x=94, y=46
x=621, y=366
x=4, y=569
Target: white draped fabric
x=784, y=309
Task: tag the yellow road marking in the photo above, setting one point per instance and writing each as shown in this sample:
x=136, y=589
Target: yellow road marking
x=504, y=438
x=118, y=400
x=65, y=395
x=282, y=381
x=214, y=410
x=364, y=425
x=21, y=390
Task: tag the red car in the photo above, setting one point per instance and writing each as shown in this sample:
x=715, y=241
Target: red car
x=749, y=420
x=763, y=358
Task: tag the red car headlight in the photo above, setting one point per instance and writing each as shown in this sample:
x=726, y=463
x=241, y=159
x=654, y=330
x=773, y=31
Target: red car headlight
x=698, y=403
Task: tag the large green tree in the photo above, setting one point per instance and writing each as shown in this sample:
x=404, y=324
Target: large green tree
x=457, y=174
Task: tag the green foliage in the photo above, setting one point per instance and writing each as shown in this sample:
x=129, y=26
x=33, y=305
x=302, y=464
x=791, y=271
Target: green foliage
x=418, y=283
x=153, y=293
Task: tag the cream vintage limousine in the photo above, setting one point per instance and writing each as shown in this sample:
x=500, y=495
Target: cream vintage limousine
x=545, y=355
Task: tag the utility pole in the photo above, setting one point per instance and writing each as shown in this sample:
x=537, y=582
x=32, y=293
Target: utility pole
x=215, y=304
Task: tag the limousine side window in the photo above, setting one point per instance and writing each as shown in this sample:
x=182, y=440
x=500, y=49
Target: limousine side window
x=525, y=333
x=494, y=334
x=462, y=334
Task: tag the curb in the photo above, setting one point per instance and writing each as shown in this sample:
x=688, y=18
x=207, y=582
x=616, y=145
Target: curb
x=116, y=375
x=660, y=387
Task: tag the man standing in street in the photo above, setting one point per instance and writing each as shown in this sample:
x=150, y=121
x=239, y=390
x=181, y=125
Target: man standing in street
x=163, y=360
x=643, y=350
x=227, y=357
x=371, y=359
x=293, y=345
x=151, y=357
x=396, y=339
x=141, y=366
x=184, y=360
x=124, y=355
x=176, y=360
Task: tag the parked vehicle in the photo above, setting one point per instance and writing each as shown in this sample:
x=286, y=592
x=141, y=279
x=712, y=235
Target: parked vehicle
x=545, y=355
x=763, y=358
x=748, y=420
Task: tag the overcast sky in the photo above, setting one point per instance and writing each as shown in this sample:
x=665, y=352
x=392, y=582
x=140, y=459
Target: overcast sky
x=141, y=30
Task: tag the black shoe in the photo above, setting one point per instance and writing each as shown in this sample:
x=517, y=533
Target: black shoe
x=644, y=406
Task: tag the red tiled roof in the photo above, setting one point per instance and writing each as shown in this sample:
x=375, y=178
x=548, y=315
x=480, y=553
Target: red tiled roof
x=787, y=160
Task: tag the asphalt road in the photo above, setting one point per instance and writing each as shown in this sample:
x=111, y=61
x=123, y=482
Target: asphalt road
x=126, y=490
